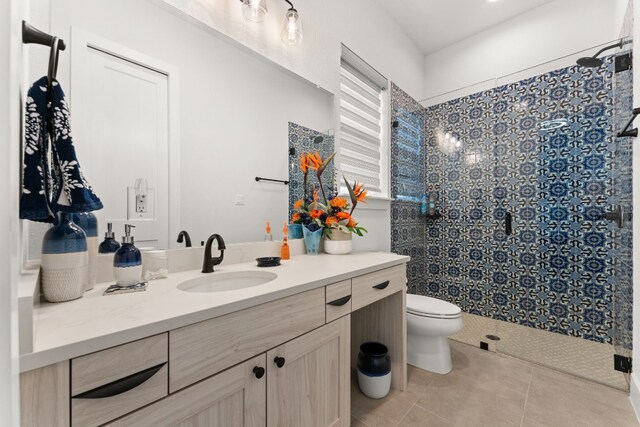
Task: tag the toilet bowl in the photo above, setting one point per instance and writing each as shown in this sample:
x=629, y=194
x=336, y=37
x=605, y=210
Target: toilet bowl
x=429, y=322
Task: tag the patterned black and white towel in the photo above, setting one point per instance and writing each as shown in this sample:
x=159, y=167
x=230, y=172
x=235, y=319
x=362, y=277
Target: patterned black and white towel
x=52, y=181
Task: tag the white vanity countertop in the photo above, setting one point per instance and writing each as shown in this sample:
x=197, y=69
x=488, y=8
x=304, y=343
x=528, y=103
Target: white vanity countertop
x=94, y=322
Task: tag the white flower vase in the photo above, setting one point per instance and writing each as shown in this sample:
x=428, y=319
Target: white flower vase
x=338, y=242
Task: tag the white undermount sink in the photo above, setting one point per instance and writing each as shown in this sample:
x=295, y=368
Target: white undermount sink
x=229, y=281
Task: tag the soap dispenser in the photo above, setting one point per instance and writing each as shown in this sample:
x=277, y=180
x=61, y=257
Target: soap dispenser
x=127, y=261
x=109, y=245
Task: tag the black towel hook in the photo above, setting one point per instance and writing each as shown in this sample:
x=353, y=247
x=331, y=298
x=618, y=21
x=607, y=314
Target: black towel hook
x=52, y=72
x=30, y=34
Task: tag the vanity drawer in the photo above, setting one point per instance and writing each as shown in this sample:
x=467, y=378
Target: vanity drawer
x=119, y=380
x=338, y=300
x=380, y=284
x=203, y=349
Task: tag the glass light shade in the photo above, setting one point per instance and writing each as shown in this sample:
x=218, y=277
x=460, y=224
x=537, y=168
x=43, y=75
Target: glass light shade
x=292, y=28
x=254, y=10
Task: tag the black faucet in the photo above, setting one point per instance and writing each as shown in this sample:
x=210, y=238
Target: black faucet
x=208, y=263
x=184, y=236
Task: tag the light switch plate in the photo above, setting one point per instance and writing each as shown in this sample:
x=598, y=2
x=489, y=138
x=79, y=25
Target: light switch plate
x=239, y=200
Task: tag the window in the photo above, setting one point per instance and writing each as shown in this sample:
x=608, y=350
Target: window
x=363, y=132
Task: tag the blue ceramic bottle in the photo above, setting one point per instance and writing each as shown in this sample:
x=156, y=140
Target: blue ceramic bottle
x=127, y=261
x=109, y=245
x=65, y=260
x=89, y=224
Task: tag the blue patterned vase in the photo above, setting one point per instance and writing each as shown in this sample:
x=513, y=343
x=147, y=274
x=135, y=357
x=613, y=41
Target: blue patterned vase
x=295, y=231
x=65, y=260
x=89, y=224
x=312, y=240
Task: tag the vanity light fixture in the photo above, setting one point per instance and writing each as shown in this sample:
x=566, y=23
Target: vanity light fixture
x=292, y=28
x=254, y=10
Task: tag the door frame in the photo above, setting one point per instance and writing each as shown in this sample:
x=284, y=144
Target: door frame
x=81, y=39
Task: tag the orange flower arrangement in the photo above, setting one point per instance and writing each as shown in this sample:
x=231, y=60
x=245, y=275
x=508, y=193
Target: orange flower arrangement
x=333, y=213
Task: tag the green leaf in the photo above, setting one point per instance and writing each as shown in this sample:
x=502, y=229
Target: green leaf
x=352, y=195
x=324, y=165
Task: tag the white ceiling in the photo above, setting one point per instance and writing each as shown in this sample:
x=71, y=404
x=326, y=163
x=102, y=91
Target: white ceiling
x=435, y=24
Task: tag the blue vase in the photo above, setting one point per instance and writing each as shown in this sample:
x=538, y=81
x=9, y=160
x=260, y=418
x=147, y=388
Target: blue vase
x=89, y=224
x=295, y=231
x=312, y=240
x=65, y=260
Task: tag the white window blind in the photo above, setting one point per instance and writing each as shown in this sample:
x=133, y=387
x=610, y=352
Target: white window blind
x=363, y=154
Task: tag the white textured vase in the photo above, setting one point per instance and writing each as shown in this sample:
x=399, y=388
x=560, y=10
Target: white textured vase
x=65, y=261
x=338, y=242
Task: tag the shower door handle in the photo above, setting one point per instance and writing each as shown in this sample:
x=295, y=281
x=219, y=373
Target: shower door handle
x=618, y=216
x=508, y=224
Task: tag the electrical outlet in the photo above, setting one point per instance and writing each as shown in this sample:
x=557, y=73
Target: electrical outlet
x=239, y=200
x=140, y=207
x=141, y=204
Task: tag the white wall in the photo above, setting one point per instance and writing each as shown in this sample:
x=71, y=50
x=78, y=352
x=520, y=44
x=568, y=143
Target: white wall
x=362, y=25
x=551, y=31
x=10, y=11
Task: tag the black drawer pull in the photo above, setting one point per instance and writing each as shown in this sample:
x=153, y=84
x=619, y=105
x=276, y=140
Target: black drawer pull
x=120, y=386
x=279, y=361
x=382, y=285
x=258, y=372
x=340, y=301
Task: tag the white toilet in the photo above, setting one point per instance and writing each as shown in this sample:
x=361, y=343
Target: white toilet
x=429, y=322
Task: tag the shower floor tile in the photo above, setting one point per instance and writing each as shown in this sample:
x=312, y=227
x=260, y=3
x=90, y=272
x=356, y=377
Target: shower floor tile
x=586, y=359
x=492, y=390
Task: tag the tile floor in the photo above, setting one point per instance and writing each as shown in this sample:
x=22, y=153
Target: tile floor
x=493, y=390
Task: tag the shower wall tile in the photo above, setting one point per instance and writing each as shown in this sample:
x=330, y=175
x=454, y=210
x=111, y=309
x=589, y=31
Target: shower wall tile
x=542, y=149
x=304, y=140
x=408, y=184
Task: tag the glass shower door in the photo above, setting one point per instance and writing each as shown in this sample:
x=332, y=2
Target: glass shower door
x=557, y=172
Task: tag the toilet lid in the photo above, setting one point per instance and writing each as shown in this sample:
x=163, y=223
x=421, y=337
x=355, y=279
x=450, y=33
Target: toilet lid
x=427, y=306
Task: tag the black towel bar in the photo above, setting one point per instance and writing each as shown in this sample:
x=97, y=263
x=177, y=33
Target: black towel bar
x=630, y=132
x=258, y=178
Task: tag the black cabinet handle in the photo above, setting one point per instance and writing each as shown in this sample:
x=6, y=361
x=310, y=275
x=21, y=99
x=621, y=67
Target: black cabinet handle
x=120, y=386
x=279, y=361
x=340, y=301
x=382, y=285
x=258, y=372
x=508, y=224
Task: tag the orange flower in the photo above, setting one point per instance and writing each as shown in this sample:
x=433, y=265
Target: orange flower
x=331, y=220
x=360, y=193
x=316, y=213
x=298, y=204
x=304, y=163
x=343, y=215
x=338, y=202
x=314, y=160
x=315, y=194
x=352, y=222
x=295, y=217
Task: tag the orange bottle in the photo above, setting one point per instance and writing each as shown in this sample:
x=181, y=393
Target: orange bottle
x=284, y=251
x=267, y=232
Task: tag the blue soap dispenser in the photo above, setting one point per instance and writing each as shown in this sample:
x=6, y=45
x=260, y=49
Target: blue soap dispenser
x=127, y=261
x=109, y=245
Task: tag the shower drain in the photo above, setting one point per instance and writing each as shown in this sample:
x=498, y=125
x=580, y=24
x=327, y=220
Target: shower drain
x=493, y=337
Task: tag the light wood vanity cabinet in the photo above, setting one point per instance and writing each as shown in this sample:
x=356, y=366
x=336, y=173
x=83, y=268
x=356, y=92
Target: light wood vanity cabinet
x=233, y=398
x=279, y=364
x=308, y=379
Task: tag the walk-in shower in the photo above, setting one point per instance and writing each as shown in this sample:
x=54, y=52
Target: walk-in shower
x=526, y=174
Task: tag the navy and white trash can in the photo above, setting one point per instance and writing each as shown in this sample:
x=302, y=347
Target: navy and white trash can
x=374, y=370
